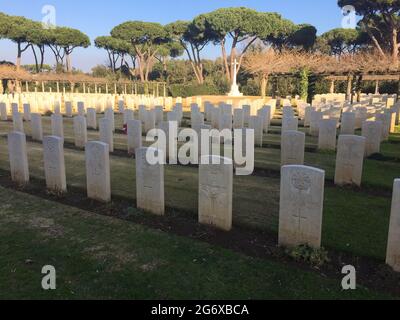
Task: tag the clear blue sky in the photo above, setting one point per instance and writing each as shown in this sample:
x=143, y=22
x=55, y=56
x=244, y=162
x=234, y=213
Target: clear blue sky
x=98, y=17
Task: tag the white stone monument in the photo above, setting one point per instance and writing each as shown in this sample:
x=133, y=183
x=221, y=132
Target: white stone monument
x=235, y=88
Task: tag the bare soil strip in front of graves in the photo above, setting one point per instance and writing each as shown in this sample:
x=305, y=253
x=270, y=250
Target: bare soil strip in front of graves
x=371, y=273
x=101, y=257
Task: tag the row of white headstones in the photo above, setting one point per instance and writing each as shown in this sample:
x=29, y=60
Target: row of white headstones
x=293, y=142
x=302, y=187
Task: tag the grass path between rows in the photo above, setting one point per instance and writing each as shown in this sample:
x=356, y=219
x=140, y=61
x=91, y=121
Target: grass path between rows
x=98, y=257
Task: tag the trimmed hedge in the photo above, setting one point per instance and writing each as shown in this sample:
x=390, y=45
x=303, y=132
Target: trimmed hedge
x=179, y=90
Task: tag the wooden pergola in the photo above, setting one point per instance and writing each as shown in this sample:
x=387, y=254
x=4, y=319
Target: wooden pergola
x=377, y=78
x=85, y=82
x=353, y=68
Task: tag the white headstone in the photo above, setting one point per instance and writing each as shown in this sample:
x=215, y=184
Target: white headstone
x=18, y=123
x=98, y=171
x=348, y=124
x=54, y=165
x=315, y=118
x=301, y=206
x=18, y=157
x=327, y=135
x=68, y=109
x=121, y=106
x=246, y=113
x=36, y=125
x=307, y=115
x=80, y=131
x=197, y=121
x=290, y=124
x=393, y=248
x=3, y=111
x=14, y=108
x=57, y=127
x=91, y=118
x=385, y=126
x=128, y=115
x=57, y=107
x=109, y=114
x=292, y=148
x=159, y=114
x=134, y=132
x=27, y=111
x=238, y=119
x=106, y=134
x=350, y=160
x=371, y=130
x=265, y=113
x=256, y=123
x=150, y=121
x=149, y=183
x=225, y=121
x=215, y=192
x=81, y=108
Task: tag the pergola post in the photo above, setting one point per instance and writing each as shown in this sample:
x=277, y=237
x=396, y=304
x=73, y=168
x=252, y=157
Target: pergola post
x=125, y=89
x=84, y=88
x=264, y=82
x=58, y=87
x=165, y=90
x=135, y=88
x=26, y=86
x=115, y=88
x=358, y=87
x=42, y=86
x=332, y=88
x=275, y=87
x=377, y=87
x=95, y=88
x=349, y=92
x=106, y=88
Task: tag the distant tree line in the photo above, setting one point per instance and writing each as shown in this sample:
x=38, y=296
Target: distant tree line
x=147, y=51
x=34, y=36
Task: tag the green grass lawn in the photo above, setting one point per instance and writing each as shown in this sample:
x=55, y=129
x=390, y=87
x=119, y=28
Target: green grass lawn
x=363, y=213
x=355, y=222
x=99, y=257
